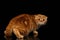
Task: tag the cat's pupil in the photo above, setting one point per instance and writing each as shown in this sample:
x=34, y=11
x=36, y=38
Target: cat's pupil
x=38, y=19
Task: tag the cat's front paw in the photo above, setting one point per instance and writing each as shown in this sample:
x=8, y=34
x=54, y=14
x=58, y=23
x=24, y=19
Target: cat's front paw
x=35, y=33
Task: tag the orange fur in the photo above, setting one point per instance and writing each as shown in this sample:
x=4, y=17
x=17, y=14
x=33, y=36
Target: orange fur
x=24, y=24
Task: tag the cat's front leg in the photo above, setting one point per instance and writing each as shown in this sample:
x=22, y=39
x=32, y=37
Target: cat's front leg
x=17, y=33
x=35, y=33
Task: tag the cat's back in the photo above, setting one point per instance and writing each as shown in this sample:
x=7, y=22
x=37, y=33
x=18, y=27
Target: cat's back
x=20, y=19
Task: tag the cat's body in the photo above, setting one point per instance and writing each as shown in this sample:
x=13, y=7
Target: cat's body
x=22, y=25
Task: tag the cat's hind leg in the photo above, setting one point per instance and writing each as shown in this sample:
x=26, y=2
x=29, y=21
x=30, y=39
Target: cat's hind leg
x=17, y=33
x=7, y=34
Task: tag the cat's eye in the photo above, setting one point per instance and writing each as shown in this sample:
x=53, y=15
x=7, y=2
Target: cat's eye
x=38, y=19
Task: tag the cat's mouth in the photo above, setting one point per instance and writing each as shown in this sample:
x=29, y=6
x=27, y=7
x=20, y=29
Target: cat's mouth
x=42, y=23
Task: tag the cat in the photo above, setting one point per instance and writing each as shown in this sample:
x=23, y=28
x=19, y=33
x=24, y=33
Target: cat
x=23, y=24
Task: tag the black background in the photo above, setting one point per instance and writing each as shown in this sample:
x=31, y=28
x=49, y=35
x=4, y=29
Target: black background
x=12, y=9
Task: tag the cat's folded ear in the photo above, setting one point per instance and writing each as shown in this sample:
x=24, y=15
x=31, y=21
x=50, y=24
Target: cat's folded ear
x=46, y=17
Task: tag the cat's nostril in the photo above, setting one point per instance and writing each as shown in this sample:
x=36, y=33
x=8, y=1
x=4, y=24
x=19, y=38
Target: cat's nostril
x=43, y=19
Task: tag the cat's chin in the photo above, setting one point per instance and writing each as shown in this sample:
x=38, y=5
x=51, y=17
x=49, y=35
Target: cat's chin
x=40, y=24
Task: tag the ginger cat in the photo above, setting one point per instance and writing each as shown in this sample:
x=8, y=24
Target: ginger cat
x=23, y=24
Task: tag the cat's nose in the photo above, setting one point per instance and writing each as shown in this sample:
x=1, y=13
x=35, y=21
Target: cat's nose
x=42, y=20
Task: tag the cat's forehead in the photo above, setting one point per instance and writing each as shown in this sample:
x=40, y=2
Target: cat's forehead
x=41, y=15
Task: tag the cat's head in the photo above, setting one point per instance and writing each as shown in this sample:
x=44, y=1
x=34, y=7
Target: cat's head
x=41, y=19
